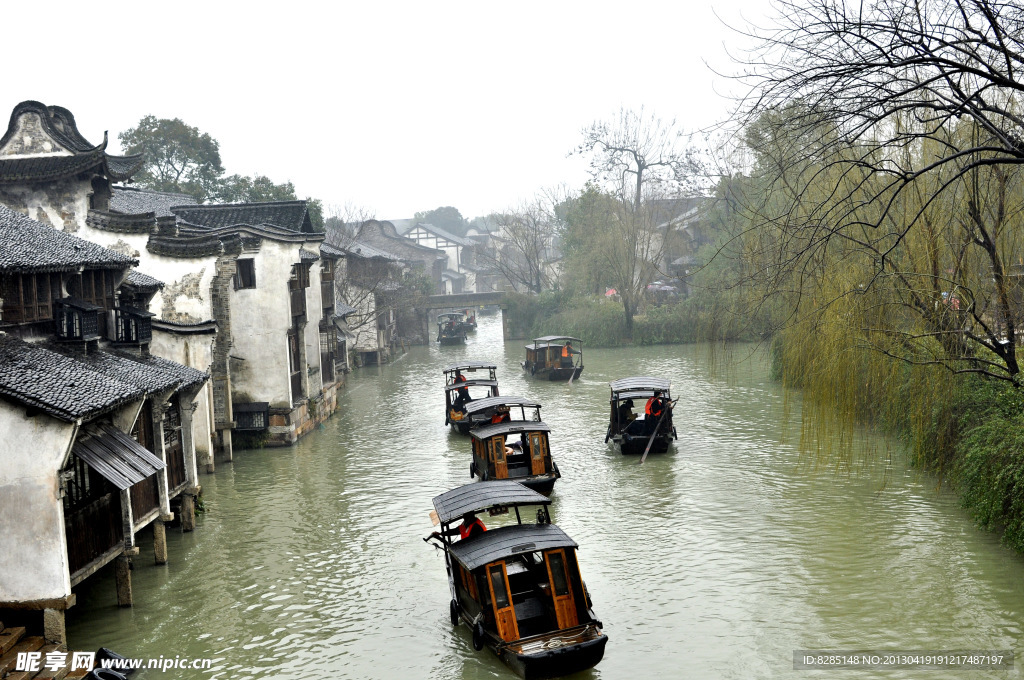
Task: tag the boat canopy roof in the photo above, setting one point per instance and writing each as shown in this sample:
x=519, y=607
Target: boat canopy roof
x=449, y=315
x=510, y=427
x=640, y=384
x=495, y=544
x=470, y=383
x=468, y=366
x=552, y=338
x=491, y=402
x=479, y=496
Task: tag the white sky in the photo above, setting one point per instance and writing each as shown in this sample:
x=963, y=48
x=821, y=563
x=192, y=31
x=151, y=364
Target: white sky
x=394, y=107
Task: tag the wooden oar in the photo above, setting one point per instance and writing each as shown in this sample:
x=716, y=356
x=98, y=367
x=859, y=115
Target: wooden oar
x=656, y=428
x=573, y=374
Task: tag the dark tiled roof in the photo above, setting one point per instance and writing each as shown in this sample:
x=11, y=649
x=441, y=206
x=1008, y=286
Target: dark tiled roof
x=307, y=256
x=331, y=251
x=57, y=384
x=68, y=385
x=133, y=201
x=139, y=280
x=364, y=249
x=342, y=310
x=291, y=215
x=139, y=372
x=29, y=246
x=46, y=168
x=59, y=124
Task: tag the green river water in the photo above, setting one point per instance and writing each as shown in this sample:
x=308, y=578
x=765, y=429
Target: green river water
x=716, y=560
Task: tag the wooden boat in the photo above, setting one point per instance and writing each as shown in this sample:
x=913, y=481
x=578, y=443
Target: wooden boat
x=527, y=459
x=554, y=357
x=476, y=387
x=450, y=330
x=469, y=320
x=518, y=587
x=495, y=409
x=630, y=432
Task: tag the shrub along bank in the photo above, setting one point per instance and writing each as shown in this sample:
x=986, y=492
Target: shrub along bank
x=601, y=323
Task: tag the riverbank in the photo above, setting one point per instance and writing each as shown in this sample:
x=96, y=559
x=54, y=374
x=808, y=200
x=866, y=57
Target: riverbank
x=600, y=322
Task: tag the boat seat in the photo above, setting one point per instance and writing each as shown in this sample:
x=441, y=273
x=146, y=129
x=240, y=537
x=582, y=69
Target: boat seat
x=530, y=608
x=635, y=428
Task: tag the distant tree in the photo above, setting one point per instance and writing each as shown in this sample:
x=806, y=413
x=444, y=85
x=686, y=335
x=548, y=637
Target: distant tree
x=521, y=245
x=253, y=189
x=316, y=212
x=638, y=159
x=445, y=217
x=178, y=157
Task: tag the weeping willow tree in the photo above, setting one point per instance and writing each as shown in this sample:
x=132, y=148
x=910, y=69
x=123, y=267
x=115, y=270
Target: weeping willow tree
x=884, y=215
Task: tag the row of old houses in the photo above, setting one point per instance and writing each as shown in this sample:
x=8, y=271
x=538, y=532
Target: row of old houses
x=143, y=336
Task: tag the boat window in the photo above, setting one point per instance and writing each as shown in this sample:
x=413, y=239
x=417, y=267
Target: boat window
x=498, y=584
x=560, y=584
x=536, y=447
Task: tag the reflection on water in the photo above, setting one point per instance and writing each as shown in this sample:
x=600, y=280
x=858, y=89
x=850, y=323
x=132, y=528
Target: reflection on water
x=715, y=560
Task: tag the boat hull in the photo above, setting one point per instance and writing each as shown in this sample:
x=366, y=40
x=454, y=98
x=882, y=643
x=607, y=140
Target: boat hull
x=542, y=484
x=452, y=339
x=636, y=444
x=553, y=374
x=558, y=661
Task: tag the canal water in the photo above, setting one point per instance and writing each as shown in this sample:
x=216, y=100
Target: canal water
x=716, y=560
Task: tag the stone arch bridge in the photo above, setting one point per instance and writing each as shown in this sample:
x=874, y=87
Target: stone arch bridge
x=437, y=303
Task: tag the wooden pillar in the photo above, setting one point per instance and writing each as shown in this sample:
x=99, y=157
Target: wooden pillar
x=122, y=566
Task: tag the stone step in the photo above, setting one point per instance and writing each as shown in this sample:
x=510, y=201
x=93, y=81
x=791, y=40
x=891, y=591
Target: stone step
x=29, y=644
x=44, y=673
x=9, y=637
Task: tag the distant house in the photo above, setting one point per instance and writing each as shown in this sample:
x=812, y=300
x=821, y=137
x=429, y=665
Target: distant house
x=99, y=438
x=427, y=260
x=460, y=273
x=366, y=282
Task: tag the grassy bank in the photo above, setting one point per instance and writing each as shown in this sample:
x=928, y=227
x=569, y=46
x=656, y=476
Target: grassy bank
x=601, y=322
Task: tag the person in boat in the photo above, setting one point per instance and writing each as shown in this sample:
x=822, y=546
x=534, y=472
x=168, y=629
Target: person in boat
x=463, y=392
x=626, y=414
x=656, y=405
x=500, y=415
x=567, y=352
x=471, y=526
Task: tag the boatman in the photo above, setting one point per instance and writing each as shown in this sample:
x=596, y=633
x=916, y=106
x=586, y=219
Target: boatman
x=567, y=352
x=471, y=526
x=625, y=415
x=463, y=391
x=652, y=412
x=500, y=415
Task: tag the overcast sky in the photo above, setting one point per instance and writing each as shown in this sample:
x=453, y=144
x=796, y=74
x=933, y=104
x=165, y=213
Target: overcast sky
x=393, y=107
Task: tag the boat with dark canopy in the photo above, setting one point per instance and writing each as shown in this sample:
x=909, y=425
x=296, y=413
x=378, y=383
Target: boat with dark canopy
x=465, y=383
x=527, y=459
x=626, y=429
x=450, y=330
x=518, y=587
x=469, y=320
x=554, y=357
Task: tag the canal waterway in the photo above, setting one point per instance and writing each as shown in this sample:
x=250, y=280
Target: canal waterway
x=716, y=560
